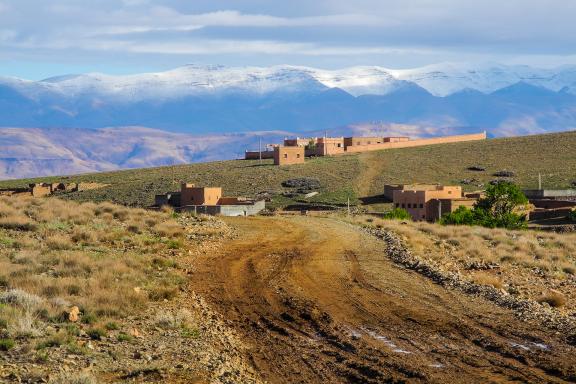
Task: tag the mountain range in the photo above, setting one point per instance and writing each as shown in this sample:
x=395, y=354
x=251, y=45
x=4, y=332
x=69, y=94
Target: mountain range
x=203, y=102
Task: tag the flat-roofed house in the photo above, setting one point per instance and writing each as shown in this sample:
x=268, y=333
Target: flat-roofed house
x=192, y=195
x=417, y=201
x=288, y=155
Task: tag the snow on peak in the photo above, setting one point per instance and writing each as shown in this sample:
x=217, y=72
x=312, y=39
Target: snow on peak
x=439, y=79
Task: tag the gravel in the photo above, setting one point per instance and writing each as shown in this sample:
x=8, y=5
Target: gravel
x=524, y=309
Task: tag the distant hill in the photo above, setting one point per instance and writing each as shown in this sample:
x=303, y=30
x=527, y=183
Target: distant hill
x=358, y=177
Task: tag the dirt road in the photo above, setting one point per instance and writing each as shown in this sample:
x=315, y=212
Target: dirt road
x=319, y=301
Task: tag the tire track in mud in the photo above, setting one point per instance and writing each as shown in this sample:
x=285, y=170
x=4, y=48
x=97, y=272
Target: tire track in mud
x=318, y=300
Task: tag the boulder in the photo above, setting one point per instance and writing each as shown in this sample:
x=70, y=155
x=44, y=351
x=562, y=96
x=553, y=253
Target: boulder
x=302, y=183
x=477, y=168
x=504, y=173
x=73, y=314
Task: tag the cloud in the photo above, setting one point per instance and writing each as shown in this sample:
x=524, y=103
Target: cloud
x=384, y=32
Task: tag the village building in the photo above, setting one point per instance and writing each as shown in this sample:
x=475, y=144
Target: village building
x=209, y=201
x=288, y=155
x=551, y=204
x=428, y=202
x=330, y=146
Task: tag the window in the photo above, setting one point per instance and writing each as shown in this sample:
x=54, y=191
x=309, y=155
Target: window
x=285, y=155
x=449, y=192
x=397, y=205
x=423, y=217
x=297, y=155
x=403, y=205
x=358, y=143
x=339, y=145
x=421, y=205
x=409, y=205
x=369, y=142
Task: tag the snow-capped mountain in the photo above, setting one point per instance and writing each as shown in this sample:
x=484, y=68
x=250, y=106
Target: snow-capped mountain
x=439, y=80
x=211, y=101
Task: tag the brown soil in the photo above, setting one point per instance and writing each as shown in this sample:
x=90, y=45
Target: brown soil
x=318, y=300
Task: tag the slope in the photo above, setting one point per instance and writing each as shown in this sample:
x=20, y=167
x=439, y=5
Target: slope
x=349, y=176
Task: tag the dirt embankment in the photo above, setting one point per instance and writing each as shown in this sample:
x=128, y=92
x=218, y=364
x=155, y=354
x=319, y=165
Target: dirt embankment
x=318, y=300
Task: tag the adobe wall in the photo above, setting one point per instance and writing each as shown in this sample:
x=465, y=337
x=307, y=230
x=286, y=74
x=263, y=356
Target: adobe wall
x=191, y=195
x=255, y=155
x=416, y=202
x=298, y=142
x=416, y=143
x=363, y=140
x=288, y=155
x=39, y=190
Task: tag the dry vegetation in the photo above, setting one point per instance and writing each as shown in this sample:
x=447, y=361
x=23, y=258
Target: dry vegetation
x=351, y=176
x=107, y=264
x=534, y=265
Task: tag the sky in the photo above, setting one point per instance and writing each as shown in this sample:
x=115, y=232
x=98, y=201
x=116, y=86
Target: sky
x=44, y=38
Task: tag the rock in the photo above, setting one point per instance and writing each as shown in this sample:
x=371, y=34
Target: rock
x=468, y=181
x=502, y=180
x=303, y=183
x=73, y=314
x=477, y=168
x=504, y=173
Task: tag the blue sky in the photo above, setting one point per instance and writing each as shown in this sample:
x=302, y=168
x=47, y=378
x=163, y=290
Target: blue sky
x=40, y=38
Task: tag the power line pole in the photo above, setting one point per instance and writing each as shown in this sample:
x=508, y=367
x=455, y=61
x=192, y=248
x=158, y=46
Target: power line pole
x=260, y=149
x=539, y=180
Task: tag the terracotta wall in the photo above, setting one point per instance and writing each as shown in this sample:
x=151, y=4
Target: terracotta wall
x=190, y=195
x=255, y=155
x=416, y=143
x=416, y=201
x=288, y=155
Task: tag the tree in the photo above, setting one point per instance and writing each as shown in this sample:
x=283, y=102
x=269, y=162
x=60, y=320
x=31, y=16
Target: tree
x=497, y=209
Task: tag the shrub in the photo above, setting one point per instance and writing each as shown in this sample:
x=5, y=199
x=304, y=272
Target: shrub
x=124, y=337
x=572, y=215
x=112, y=326
x=18, y=223
x=58, y=242
x=96, y=333
x=73, y=378
x=89, y=318
x=397, y=214
x=20, y=298
x=553, y=298
x=6, y=344
x=496, y=210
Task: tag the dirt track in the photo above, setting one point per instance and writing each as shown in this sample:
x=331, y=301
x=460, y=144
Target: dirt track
x=319, y=301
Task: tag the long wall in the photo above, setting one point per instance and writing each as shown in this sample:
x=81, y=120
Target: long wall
x=416, y=143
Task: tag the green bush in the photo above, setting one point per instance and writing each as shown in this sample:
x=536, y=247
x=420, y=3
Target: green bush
x=96, y=333
x=496, y=210
x=397, y=214
x=124, y=337
x=6, y=344
x=572, y=215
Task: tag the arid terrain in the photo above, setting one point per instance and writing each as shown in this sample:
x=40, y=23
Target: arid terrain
x=279, y=299
x=319, y=300
x=91, y=291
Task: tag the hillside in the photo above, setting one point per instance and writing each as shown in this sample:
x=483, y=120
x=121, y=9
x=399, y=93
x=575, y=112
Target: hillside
x=349, y=176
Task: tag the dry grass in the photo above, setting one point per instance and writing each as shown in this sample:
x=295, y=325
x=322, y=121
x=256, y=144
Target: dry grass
x=524, y=263
x=109, y=261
